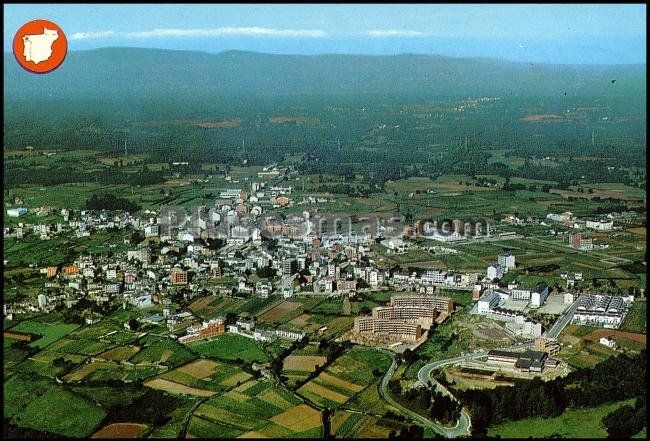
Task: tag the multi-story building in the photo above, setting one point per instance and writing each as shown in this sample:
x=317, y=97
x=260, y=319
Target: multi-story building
x=488, y=301
x=602, y=225
x=409, y=314
x=581, y=242
x=506, y=260
x=289, y=266
x=231, y=193
x=538, y=297
x=346, y=285
x=151, y=230
x=547, y=345
x=207, y=329
x=178, y=276
x=393, y=329
x=495, y=271
x=442, y=304
x=142, y=254
x=520, y=293
x=291, y=335
x=70, y=270
x=404, y=318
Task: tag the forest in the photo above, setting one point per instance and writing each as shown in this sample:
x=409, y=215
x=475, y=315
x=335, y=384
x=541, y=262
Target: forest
x=613, y=379
x=410, y=116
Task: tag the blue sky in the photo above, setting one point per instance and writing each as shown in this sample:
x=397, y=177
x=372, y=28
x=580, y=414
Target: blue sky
x=578, y=33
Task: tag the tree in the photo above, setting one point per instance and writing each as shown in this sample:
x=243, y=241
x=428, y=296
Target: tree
x=133, y=324
x=410, y=356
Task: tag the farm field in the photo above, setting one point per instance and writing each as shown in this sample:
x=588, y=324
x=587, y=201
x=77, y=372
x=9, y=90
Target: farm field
x=26, y=402
x=50, y=332
x=120, y=430
x=573, y=423
x=230, y=347
x=636, y=320
x=277, y=313
x=347, y=376
x=255, y=409
x=201, y=375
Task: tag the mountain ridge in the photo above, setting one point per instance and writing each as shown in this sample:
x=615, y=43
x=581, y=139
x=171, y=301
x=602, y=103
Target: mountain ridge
x=115, y=72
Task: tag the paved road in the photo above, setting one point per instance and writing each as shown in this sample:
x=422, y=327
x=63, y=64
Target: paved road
x=464, y=424
x=383, y=390
x=561, y=322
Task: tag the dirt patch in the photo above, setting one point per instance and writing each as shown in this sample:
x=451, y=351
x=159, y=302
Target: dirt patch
x=338, y=419
x=234, y=379
x=301, y=321
x=303, y=363
x=279, y=311
x=120, y=430
x=340, y=383
x=299, y=418
x=201, y=303
x=615, y=333
x=165, y=355
x=170, y=386
x=324, y=392
x=252, y=434
x=299, y=120
x=200, y=368
x=542, y=117
x=84, y=371
x=17, y=336
x=227, y=124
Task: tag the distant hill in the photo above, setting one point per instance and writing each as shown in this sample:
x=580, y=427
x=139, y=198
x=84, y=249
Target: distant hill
x=112, y=73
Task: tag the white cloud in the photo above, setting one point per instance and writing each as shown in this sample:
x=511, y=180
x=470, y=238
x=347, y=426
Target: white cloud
x=394, y=33
x=90, y=35
x=215, y=32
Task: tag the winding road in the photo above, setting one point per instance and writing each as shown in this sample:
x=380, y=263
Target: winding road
x=383, y=390
x=464, y=423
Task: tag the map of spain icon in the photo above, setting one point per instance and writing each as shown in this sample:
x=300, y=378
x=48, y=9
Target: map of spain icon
x=40, y=46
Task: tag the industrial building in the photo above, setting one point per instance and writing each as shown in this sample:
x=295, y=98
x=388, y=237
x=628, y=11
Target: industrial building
x=527, y=361
x=601, y=310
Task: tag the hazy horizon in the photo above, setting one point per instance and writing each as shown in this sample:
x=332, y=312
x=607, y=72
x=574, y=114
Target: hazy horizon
x=352, y=54
x=551, y=34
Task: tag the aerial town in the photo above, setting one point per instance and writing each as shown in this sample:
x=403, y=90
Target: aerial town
x=324, y=221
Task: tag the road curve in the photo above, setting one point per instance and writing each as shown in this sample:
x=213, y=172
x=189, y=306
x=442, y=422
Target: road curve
x=383, y=390
x=462, y=426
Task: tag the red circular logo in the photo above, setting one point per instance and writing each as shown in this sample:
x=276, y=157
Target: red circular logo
x=40, y=46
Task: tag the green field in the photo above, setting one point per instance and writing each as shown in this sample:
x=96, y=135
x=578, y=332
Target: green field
x=230, y=347
x=636, y=319
x=45, y=406
x=50, y=332
x=164, y=350
x=573, y=423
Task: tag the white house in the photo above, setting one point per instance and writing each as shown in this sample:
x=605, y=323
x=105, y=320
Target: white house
x=607, y=341
x=602, y=225
x=16, y=212
x=495, y=271
x=487, y=301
